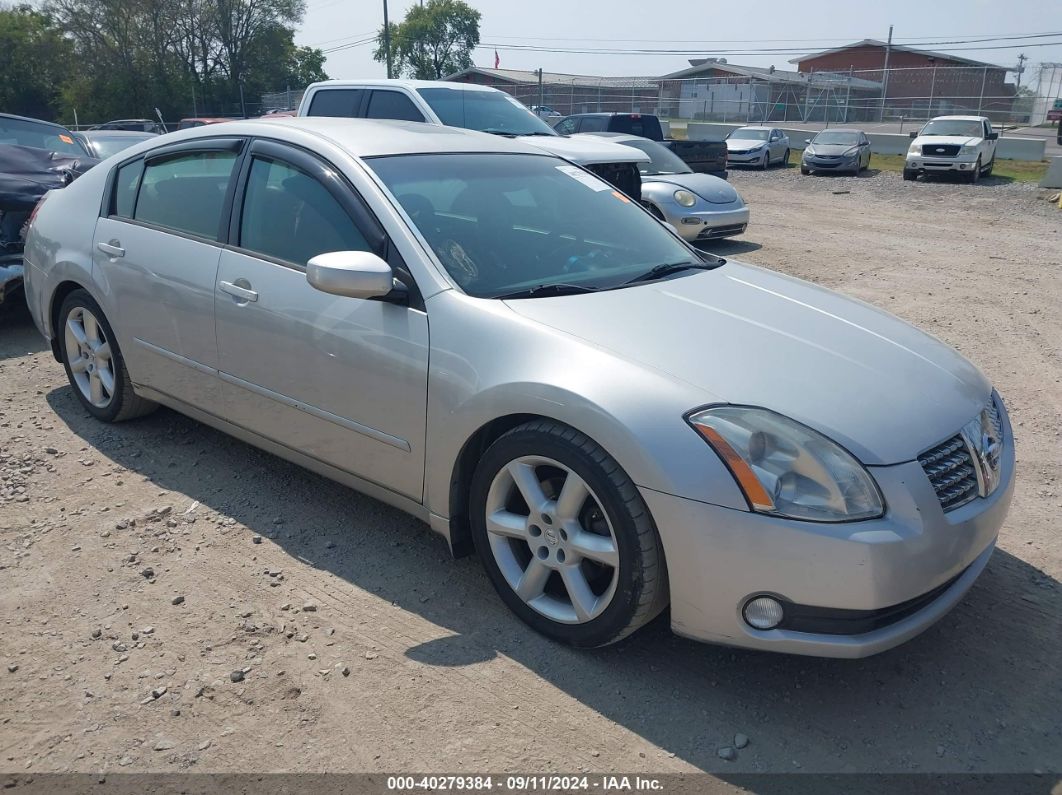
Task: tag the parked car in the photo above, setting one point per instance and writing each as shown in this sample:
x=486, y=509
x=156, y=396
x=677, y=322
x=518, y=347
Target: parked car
x=472, y=107
x=612, y=419
x=35, y=157
x=199, y=121
x=101, y=144
x=836, y=150
x=699, y=206
x=757, y=146
x=706, y=157
x=133, y=125
x=963, y=145
x=546, y=112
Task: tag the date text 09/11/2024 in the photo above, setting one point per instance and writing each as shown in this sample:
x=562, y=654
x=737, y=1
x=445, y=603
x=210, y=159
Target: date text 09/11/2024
x=529, y=783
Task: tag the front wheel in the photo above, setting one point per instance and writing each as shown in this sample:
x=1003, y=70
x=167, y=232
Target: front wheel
x=988, y=169
x=766, y=164
x=565, y=537
x=94, y=363
x=910, y=174
x=805, y=170
x=785, y=159
x=976, y=173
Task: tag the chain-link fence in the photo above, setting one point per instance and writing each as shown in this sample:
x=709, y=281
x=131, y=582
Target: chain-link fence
x=729, y=93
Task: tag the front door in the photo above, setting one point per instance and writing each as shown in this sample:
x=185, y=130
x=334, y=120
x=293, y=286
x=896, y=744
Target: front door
x=343, y=380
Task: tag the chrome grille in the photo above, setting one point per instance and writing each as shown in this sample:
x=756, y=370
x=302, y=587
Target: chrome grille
x=951, y=471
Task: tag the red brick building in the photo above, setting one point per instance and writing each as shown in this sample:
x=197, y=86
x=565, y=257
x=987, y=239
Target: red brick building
x=920, y=82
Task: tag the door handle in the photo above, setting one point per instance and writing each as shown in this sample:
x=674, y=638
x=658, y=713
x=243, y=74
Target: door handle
x=241, y=293
x=112, y=249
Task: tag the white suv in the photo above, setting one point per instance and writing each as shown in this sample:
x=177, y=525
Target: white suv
x=960, y=144
x=475, y=108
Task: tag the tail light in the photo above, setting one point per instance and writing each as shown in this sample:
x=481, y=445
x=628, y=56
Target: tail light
x=33, y=212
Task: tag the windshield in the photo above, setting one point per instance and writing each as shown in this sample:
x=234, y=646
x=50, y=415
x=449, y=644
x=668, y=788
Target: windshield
x=663, y=160
x=750, y=134
x=107, y=145
x=22, y=132
x=969, y=129
x=504, y=223
x=838, y=137
x=486, y=111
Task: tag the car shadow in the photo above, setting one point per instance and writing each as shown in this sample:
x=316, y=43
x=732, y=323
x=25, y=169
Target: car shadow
x=18, y=335
x=728, y=247
x=978, y=690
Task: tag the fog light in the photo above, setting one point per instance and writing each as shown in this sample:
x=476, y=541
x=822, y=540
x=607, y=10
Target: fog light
x=763, y=612
x=962, y=166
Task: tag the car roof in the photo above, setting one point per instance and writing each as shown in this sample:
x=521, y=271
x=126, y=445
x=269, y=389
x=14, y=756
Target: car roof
x=959, y=118
x=755, y=127
x=118, y=134
x=362, y=137
x=840, y=129
x=31, y=119
x=410, y=84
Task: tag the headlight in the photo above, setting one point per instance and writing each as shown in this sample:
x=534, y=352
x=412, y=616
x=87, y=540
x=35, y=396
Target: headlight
x=685, y=198
x=852, y=152
x=969, y=149
x=754, y=148
x=809, y=150
x=787, y=469
x=915, y=149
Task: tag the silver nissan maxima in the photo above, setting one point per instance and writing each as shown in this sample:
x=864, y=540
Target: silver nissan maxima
x=502, y=344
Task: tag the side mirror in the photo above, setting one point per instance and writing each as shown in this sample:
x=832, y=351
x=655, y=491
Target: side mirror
x=354, y=274
x=807, y=140
x=913, y=133
x=994, y=136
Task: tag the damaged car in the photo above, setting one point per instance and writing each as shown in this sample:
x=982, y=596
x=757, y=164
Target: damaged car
x=35, y=157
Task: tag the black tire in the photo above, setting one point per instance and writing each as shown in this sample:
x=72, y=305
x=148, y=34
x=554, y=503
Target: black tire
x=987, y=172
x=975, y=174
x=805, y=170
x=910, y=174
x=785, y=159
x=641, y=590
x=124, y=403
x=766, y=164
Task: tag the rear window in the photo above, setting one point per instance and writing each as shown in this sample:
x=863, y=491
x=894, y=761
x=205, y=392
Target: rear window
x=343, y=103
x=125, y=185
x=24, y=132
x=645, y=126
x=392, y=105
x=186, y=193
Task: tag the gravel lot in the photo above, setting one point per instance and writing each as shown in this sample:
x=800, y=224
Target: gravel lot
x=175, y=600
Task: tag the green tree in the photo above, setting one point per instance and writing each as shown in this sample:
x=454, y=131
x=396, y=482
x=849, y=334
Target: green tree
x=34, y=61
x=434, y=40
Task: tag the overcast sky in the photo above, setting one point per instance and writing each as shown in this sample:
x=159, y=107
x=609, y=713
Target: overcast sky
x=705, y=27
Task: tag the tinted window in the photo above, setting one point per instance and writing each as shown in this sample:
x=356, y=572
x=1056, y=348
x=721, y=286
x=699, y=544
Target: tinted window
x=565, y=127
x=971, y=129
x=125, y=185
x=593, y=124
x=341, y=102
x=24, y=132
x=749, y=134
x=289, y=215
x=486, y=111
x=836, y=137
x=392, y=105
x=186, y=193
x=502, y=223
x=663, y=160
x=645, y=126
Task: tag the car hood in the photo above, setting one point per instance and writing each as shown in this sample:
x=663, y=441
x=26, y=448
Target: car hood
x=709, y=188
x=743, y=143
x=951, y=140
x=744, y=335
x=830, y=150
x=586, y=151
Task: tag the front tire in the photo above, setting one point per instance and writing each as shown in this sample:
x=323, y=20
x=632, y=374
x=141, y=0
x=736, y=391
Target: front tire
x=766, y=164
x=976, y=173
x=565, y=537
x=785, y=159
x=910, y=175
x=93, y=361
x=805, y=170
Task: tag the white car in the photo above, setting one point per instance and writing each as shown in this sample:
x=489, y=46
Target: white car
x=962, y=145
x=757, y=146
x=472, y=107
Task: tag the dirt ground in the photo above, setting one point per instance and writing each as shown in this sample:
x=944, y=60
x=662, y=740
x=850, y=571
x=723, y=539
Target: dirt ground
x=175, y=600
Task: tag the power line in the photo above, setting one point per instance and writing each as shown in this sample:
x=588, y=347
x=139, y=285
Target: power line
x=924, y=41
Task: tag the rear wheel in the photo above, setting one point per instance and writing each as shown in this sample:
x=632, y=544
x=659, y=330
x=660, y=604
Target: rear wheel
x=94, y=363
x=565, y=537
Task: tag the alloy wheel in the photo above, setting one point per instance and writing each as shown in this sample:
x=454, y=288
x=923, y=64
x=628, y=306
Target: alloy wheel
x=552, y=540
x=89, y=353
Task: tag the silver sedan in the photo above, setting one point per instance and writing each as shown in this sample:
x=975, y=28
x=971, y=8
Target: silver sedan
x=757, y=146
x=836, y=150
x=614, y=421
x=701, y=207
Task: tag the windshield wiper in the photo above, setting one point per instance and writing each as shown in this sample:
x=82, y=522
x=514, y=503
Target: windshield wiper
x=538, y=132
x=659, y=271
x=495, y=131
x=543, y=290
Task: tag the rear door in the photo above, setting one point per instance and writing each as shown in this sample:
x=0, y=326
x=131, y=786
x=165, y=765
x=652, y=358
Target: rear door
x=343, y=380
x=157, y=251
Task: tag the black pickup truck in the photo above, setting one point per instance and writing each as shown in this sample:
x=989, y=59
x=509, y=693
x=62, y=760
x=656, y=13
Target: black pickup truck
x=706, y=157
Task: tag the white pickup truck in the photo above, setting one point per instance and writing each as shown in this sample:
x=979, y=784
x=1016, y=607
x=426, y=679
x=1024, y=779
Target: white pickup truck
x=473, y=107
x=957, y=144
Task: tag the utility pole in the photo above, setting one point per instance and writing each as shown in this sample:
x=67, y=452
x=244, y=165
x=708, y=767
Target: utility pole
x=541, y=100
x=885, y=75
x=1021, y=68
x=387, y=41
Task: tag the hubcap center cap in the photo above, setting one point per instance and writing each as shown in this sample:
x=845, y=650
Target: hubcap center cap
x=551, y=536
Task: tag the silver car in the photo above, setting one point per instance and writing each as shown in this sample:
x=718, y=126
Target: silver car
x=757, y=146
x=104, y=143
x=503, y=345
x=700, y=206
x=836, y=150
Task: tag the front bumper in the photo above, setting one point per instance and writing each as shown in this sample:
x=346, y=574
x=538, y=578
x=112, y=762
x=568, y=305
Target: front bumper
x=707, y=224
x=719, y=557
x=930, y=165
x=744, y=158
x=820, y=163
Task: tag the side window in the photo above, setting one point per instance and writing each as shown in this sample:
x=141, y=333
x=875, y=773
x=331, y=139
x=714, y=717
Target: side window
x=988, y=128
x=566, y=126
x=186, y=192
x=594, y=124
x=392, y=105
x=125, y=184
x=343, y=103
x=289, y=215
